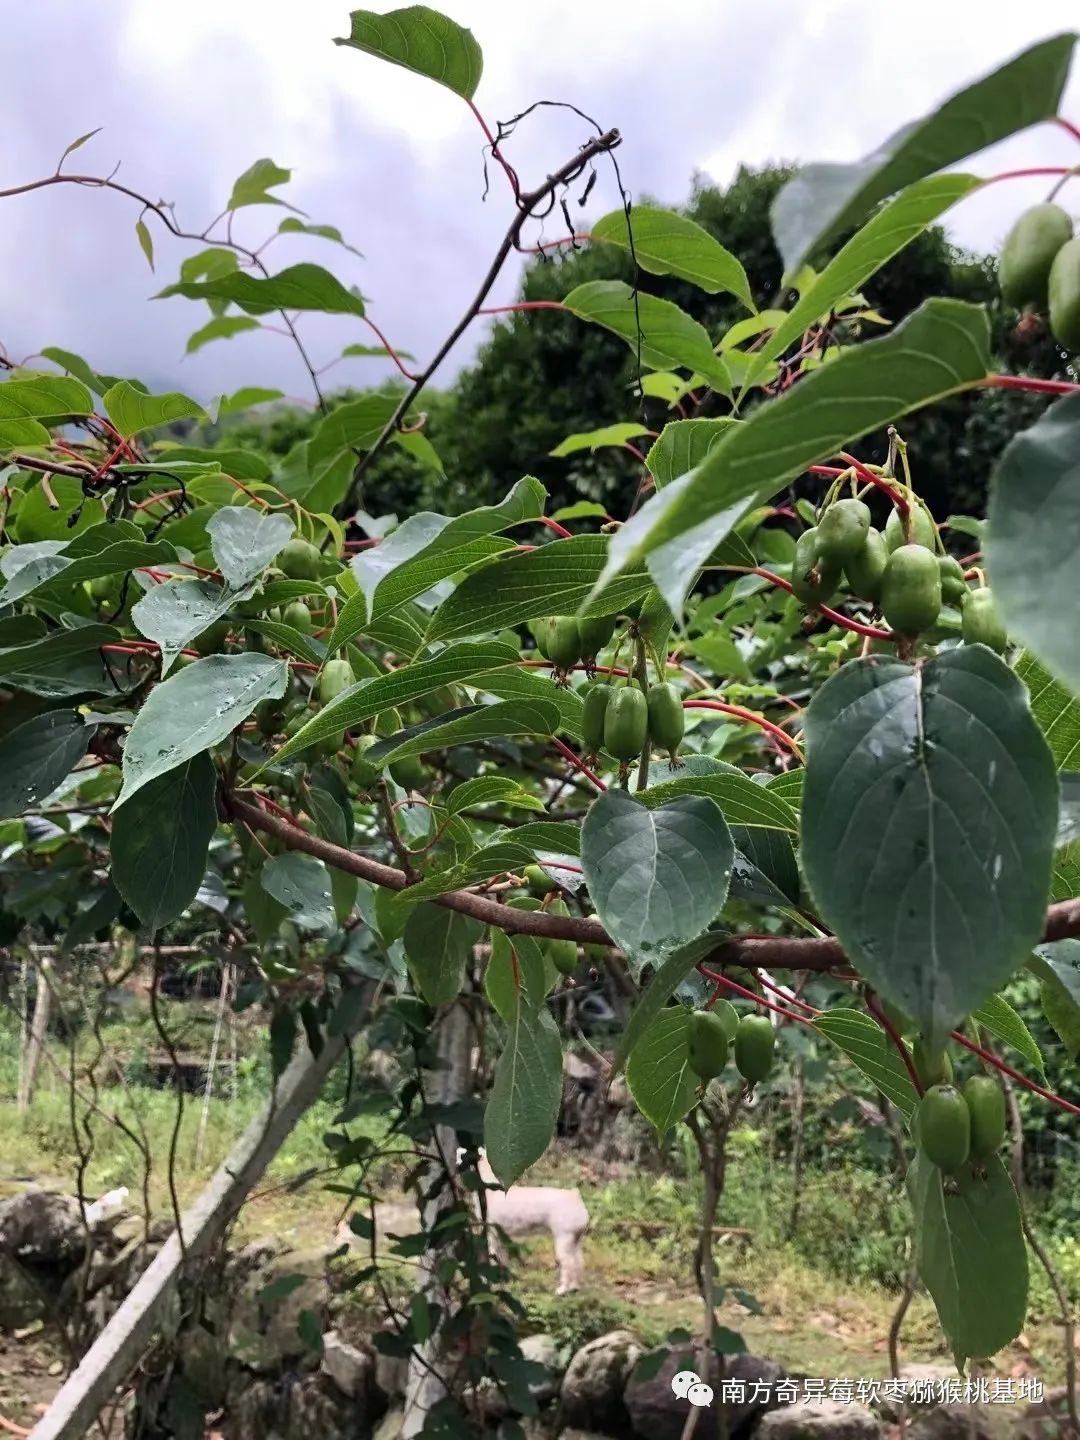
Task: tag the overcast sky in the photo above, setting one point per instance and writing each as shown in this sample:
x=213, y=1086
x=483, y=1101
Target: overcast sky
x=189, y=94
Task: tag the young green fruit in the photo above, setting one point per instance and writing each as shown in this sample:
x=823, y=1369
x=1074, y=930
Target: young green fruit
x=300, y=560
x=563, y=954
x=564, y=642
x=212, y=640
x=626, y=723
x=981, y=623
x=387, y=723
x=923, y=529
x=595, y=631
x=537, y=880
x=409, y=772
x=944, y=1128
x=842, y=530
x=812, y=579
x=953, y=585
x=592, y=717
x=865, y=569
x=104, y=588
x=298, y=616
x=362, y=771
x=985, y=1101
x=269, y=717
x=754, y=1044
x=1028, y=254
x=336, y=676
x=540, y=630
x=1064, y=292
x=667, y=719
x=707, y=1044
x=911, y=589
x=933, y=1067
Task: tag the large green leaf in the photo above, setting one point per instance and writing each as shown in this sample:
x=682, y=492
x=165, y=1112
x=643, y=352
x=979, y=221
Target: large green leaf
x=742, y=801
x=937, y=903
x=45, y=397
x=173, y=613
x=512, y=683
x=298, y=287
x=223, y=327
x=62, y=663
x=882, y=237
x=971, y=1254
x=70, y=565
x=159, y=841
x=868, y=1047
x=245, y=540
x=1055, y=709
x=1058, y=968
x=823, y=199
x=361, y=703
x=36, y=755
x=195, y=710
x=682, y=445
x=999, y=1017
x=555, y=579
x=301, y=885
x=132, y=410
x=657, y=878
x=438, y=947
x=420, y=39
x=658, y=1070
x=466, y=727
x=667, y=243
x=526, y=1091
x=516, y=962
x=254, y=185
x=607, y=437
x=1032, y=536
x=666, y=337
x=39, y=518
x=941, y=348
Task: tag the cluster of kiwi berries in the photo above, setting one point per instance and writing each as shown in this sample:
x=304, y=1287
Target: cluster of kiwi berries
x=713, y=1032
x=902, y=571
x=1039, y=270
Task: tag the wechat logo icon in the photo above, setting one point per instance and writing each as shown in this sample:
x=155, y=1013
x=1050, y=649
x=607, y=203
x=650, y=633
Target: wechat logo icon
x=688, y=1386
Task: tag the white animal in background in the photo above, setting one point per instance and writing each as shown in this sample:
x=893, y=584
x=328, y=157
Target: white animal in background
x=525, y=1209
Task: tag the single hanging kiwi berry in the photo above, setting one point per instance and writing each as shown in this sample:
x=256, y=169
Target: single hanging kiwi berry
x=563, y=954
x=1028, y=254
x=953, y=585
x=985, y=1101
x=932, y=1065
x=754, y=1045
x=923, y=529
x=707, y=1044
x=564, y=642
x=594, y=632
x=1065, y=297
x=300, y=560
x=865, y=569
x=538, y=880
x=667, y=719
x=812, y=579
x=944, y=1128
x=592, y=717
x=842, y=530
x=980, y=623
x=270, y=717
x=336, y=676
x=409, y=772
x=626, y=723
x=911, y=590
x=364, y=772
x=298, y=616
x=540, y=630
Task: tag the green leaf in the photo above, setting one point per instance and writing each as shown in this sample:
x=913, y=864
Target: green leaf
x=788, y=787
x=438, y=948
x=658, y=1070
x=146, y=243
x=70, y=566
x=971, y=1254
x=132, y=411
x=1001, y=1020
x=46, y=397
x=882, y=237
x=362, y=702
x=941, y=348
x=742, y=801
x=245, y=540
x=195, y=710
x=223, y=327
x=283, y=1029
x=36, y=755
x=491, y=790
x=657, y=877
x=667, y=243
x=63, y=663
x=174, y=612
x=665, y=981
x=298, y=287
x=423, y=41
x=159, y=841
x=38, y=519
x=554, y=579
x=1033, y=531
x=1056, y=711
x=77, y=145
x=409, y=554
x=291, y=226
x=870, y=1050
x=608, y=436
x=492, y=860
x=245, y=398
x=766, y=871
x=523, y=1106
x=823, y=199
x=516, y=962
x=76, y=366
x=1058, y=968
x=682, y=446
x=466, y=727
x=252, y=187
x=937, y=907
x=548, y=837
x=512, y=683
x=301, y=884
x=668, y=338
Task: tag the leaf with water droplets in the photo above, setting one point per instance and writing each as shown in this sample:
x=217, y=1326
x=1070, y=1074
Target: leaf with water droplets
x=245, y=540
x=302, y=885
x=37, y=755
x=928, y=824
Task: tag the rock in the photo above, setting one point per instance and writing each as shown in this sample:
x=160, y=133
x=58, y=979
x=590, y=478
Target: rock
x=43, y=1228
x=542, y=1350
x=820, y=1420
x=957, y=1422
x=294, y=1408
x=592, y=1388
x=203, y=1359
x=580, y=1435
x=657, y=1413
x=391, y=1375
x=351, y=1369
x=263, y=1327
x=21, y=1301
x=1046, y=1419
